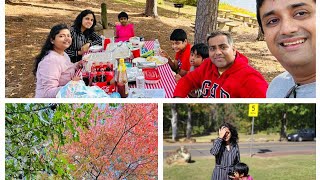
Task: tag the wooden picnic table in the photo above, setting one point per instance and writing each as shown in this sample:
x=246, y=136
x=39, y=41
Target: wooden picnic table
x=254, y=20
x=226, y=13
x=222, y=22
x=244, y=17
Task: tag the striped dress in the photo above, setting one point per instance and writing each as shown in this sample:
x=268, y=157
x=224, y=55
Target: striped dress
x=225, y=160
x=78, y=40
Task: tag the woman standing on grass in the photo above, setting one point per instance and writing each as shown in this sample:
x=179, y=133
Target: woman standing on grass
x=83, y=35
x=53, y=68
x=226, y=150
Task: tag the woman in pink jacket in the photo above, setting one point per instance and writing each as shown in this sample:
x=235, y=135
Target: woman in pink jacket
x=53, y=68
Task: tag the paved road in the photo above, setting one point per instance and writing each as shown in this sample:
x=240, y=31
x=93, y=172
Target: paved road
x=258, y=149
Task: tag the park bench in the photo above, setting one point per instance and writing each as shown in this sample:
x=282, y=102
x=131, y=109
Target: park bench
x=221, y=22
x=193, y=26
x=252, y=25
x=224, y=13
x=235, y=19
x=231, y=26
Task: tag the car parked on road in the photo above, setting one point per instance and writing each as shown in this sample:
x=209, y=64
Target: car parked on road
x=303, y=135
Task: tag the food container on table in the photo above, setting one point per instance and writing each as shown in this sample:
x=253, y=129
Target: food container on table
x=132, y=73
x=151, y=75
x=95, y=48
x=159, y=60
x=135, y=41
x=146, y=65
x=121, y=51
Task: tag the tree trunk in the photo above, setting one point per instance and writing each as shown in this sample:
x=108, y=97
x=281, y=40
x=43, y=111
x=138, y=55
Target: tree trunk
x=151, y=8
x=155, y=9
x=189, y=127
x=174, y=121
x=104, y=20
x=206, y=19
x=260, y=35
x=283, y=132
x=213, y=119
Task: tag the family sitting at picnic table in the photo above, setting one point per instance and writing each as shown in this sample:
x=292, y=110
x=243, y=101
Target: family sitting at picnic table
x=215, y=70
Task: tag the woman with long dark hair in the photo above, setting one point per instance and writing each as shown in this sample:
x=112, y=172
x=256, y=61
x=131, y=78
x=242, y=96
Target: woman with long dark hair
x=226, y=151
x=53, y=68
x=83, y=35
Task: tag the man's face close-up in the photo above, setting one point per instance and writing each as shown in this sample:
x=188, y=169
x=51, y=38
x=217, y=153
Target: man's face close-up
x=290, y=31
x=221, y=53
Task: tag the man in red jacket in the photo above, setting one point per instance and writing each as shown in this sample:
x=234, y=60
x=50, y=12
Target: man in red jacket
x=225, y=74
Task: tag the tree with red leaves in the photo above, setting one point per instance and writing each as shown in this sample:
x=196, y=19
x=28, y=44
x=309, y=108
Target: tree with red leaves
x=120, y=143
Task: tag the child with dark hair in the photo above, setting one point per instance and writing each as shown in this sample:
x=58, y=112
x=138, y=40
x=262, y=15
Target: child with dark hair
x=199, y=52
x=226, y=151
x=241, y=171
x=83, y=35
x=179, y=43
x=124, y=31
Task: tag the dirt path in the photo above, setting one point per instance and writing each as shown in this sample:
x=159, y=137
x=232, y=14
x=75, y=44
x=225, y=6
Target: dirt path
x=27, y=24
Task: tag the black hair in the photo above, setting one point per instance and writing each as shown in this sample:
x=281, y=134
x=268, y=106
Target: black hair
x=217, y=33
x=234, y=133
x=241, y=168
x=202, y=50
x=258, y=6
x=78, y=22
x=48, y=45
x=123, y=14
x=178, y=35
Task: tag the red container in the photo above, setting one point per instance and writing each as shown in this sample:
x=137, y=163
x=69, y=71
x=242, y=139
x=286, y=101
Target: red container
x=151, y=75
x=136, y=52
x=106, y=42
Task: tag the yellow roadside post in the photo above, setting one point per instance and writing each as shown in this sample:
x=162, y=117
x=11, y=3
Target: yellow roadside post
x=253, y=112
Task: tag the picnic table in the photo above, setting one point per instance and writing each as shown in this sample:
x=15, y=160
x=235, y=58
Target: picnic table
x=224, y=13
x=242, y=17
x=254, y=20
x=221, y=22
x=167, y=81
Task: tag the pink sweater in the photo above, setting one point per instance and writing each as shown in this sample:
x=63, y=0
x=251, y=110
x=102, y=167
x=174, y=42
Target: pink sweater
x=54, y=71
x=124, y=32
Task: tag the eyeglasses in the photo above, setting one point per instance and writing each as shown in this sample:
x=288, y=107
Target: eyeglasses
x=292, y=91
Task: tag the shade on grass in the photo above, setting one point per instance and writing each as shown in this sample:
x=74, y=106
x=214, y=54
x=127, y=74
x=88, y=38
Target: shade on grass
x=282, y=167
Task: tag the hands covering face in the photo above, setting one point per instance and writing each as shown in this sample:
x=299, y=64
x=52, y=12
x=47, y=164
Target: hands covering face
x=224, y=133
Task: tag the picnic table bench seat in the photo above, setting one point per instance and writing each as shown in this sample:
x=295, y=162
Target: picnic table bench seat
x=231, y=26
x=254, y=25
x=235, y=19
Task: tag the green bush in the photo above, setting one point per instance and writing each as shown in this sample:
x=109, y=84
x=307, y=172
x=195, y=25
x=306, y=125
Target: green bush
x=196, y=130
x=244, y=127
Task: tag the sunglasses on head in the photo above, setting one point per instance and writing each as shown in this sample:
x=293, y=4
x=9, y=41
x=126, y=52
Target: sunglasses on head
x=293, y=91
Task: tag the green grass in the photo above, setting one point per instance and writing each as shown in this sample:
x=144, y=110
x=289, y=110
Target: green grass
x=283, y=167
x=242, y=137
x=226, y=6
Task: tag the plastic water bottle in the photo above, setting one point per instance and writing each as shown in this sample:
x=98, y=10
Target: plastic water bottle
x=156, y=47
x=140, y=82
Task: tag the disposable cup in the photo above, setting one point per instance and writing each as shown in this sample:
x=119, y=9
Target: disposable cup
x=136, y=52
x=106, y=42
